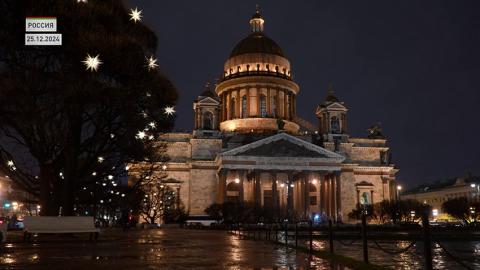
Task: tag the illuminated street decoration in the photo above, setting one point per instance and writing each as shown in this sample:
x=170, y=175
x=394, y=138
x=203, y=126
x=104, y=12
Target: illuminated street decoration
x=135, y=15
x=169, y=110
x=151, y=63
x=92, y=63
x=140, y=135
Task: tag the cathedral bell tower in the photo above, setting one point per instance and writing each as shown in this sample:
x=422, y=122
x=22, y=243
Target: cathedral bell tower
x=207, y=107
x=332, y=118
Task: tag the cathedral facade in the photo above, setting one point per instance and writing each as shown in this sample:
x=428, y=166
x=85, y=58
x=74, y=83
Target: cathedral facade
x=249, y=145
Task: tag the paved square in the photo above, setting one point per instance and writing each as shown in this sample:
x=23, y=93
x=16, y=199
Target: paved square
x=152, y=249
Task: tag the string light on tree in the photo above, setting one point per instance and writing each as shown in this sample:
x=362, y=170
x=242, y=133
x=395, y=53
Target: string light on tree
x=92, y=63
x=151, y=63
x=135, y=15
x=100, y=159
x=82, y=1
x=169, y=110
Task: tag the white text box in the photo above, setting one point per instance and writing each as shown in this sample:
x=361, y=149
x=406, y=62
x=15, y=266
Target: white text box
x=34, y=24
x=43, y=39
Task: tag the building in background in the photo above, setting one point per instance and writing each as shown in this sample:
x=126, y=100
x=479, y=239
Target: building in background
x=438, y=193
x=15, y=203
x=249, y=144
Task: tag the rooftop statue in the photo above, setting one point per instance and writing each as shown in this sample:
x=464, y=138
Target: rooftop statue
x=375, y=132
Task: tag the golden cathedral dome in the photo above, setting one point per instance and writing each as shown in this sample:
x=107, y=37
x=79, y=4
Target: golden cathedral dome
x=257, y=54
x=257, y=87
x=257, y=42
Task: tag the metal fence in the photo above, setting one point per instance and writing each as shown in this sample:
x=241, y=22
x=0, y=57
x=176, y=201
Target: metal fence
x=291, y=234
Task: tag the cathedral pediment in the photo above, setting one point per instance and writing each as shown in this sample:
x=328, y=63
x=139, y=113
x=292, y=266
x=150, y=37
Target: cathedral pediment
x=208, y=100
x=283, y=146
x=336, y=106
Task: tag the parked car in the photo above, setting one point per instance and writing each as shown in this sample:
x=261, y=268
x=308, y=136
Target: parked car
x=201, y=221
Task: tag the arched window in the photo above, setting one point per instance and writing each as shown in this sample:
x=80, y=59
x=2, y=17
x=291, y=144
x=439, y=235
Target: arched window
x=274, y=106
x=244, y=107
x=207, y=120
x=263, y=106
x=233, y=192
x=232, y=108
x=335, y=124
x=232, y=186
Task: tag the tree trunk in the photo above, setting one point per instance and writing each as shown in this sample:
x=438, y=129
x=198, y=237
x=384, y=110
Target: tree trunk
x=72, y=149
x=47, y=202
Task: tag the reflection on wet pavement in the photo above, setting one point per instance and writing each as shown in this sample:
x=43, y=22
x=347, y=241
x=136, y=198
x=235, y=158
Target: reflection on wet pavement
x=153, y=249
x=466, y=251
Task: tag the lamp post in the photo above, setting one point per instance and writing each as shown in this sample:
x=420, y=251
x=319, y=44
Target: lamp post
x=399, y=188
x=473, y=185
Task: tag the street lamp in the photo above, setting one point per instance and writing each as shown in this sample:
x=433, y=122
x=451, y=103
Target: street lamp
x=473, y=185
x=399, y=188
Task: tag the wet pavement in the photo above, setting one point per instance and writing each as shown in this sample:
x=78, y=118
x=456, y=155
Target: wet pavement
x=171, y=248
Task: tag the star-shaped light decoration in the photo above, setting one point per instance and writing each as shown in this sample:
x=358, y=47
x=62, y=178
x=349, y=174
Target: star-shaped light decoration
x=100, y=159
x=151, y=63
x=152, y=124
x=92, y=63
x=169, y=110
x=135, y=15
x=10, y=163
x=140, y=135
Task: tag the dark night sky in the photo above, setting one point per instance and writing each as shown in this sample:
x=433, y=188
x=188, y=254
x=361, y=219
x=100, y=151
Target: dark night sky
x=411, y=65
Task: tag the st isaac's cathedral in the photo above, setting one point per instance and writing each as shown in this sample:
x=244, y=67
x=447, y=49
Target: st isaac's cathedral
x=248, y=144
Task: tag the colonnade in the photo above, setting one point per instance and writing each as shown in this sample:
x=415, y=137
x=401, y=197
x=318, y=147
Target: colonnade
x=290, y=190
x=279, y=103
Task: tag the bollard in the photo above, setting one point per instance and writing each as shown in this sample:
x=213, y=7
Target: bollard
x=296, y=234
x=364, y=238
x=311, y=236
x=330, y=235
x=427, y=241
